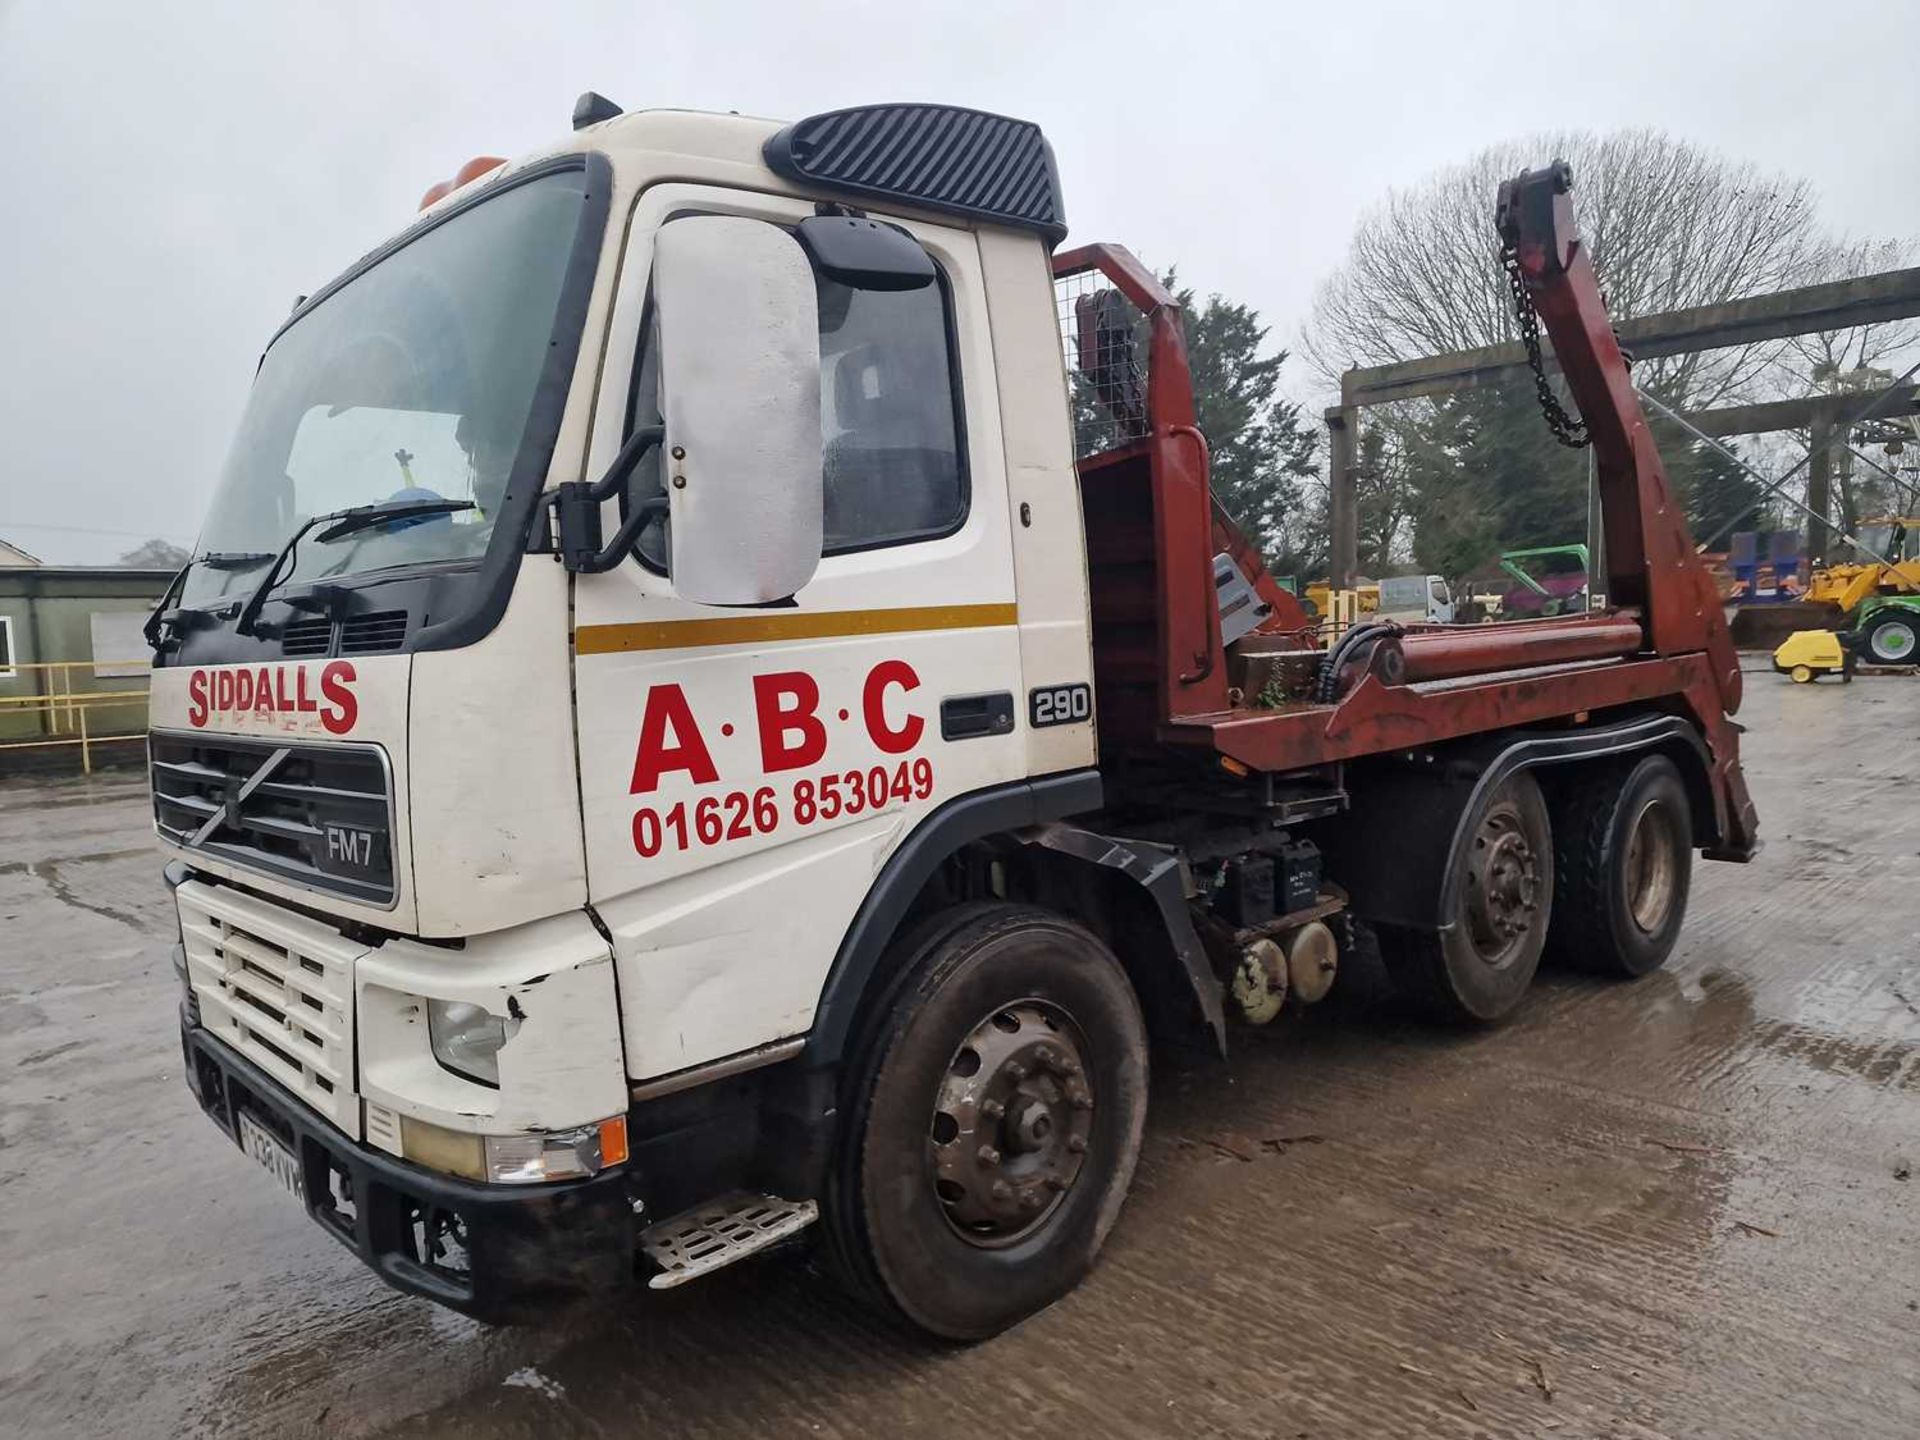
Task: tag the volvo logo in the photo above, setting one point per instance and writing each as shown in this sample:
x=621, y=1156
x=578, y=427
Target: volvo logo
x=237, y=792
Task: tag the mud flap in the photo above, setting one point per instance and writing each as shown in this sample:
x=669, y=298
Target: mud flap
x=1157, y=870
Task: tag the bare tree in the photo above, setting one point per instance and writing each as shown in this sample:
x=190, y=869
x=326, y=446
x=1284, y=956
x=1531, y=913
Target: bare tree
x=155, y=555
x=1669, y=225
x=1816, y=361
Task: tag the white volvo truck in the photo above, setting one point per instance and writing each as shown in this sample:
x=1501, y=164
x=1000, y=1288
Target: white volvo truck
x=693, y=715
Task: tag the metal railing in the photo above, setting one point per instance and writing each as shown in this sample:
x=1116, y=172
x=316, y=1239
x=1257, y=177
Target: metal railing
x=71, y=715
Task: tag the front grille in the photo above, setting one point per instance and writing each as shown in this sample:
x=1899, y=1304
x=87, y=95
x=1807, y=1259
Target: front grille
x=371, y=634
x=278, y=988
x=320, y=817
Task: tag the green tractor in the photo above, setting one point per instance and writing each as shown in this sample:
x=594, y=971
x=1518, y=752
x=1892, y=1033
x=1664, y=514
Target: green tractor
x=1886, y=629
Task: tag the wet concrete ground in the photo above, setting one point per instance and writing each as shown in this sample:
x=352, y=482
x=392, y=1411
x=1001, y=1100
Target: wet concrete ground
x=1660, y=1209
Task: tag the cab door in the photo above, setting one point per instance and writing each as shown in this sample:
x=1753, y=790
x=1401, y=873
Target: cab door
x=746, y=772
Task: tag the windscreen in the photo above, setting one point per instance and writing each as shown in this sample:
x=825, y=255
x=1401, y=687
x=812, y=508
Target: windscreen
x=414, y=380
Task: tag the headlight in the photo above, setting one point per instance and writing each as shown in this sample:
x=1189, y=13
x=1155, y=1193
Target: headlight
x=557, y=1155
x=517, y=1159
x=466, y=1038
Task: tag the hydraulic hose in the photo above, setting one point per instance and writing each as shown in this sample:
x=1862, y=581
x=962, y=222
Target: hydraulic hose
x=1342, y=651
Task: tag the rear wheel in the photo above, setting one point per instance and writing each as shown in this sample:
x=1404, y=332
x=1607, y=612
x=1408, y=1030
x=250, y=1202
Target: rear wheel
x=1624, y=851
x=1802, y=674
x=1893, y=637
x=994, y=1122
x=1495, y=906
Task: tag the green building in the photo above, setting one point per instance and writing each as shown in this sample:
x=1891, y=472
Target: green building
x=70, y=643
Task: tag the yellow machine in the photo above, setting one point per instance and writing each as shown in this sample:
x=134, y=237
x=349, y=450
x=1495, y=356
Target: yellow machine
x=1808, y=654
x=1367, y=597
x=1878, y=603
x=1897, y=573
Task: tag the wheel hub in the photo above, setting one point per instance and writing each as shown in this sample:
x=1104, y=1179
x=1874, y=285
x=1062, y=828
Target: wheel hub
x=1894, y=640
x=1503, y=887
x=1012, y=1121
x=1653, y=866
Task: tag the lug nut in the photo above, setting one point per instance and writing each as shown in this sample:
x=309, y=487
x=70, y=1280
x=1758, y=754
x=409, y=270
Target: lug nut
x=992, y=1109
x=1077, y=1144
x=1016, y=1071
x=1001, y=1190
x=988, y=1155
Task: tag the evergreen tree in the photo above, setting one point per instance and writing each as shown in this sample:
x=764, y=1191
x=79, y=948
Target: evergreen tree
x=1261, y=447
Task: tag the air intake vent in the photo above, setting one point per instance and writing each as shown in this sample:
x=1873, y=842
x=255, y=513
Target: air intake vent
x=370, y=634
x=305, y=638
x=939, y=157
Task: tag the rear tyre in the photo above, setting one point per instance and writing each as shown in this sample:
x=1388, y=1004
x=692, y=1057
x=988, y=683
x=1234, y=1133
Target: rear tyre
x=1802, y=674
x=1893, y=637
x=993, y=1122
x=1495, y=908
x=1624, y=865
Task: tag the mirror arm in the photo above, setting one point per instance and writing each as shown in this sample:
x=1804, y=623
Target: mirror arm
x=638, y=517
x=573, y=531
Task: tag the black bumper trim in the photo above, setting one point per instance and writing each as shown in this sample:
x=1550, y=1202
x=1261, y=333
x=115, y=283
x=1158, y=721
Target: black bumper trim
x=527, y=1250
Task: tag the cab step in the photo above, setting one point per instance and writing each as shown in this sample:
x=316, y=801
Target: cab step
x=710, y=1237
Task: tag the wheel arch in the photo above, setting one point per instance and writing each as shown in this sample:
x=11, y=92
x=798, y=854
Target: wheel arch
x=888, y=904
x=1396, y=846
x=1132, y=895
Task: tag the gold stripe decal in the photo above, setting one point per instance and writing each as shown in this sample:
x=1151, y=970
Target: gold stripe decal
x=770, y=626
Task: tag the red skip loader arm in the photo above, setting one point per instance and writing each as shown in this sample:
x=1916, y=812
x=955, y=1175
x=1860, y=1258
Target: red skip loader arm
x=1662, y=646
x=1651, y=564
x=1193, y=673
x=1189, y=526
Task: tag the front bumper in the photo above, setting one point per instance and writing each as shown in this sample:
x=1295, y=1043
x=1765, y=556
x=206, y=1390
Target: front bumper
x=502, y=1254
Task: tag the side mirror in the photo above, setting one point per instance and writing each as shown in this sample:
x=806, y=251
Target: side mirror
x=739, y=336
x=865, y=254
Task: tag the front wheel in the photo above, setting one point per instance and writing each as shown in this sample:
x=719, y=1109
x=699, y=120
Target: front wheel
x=994, y=1121
x=1624, y=845
x=1476, y=965
x=1893, y=637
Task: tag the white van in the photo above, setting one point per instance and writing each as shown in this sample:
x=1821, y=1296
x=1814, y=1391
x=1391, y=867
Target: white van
x=1415, y=597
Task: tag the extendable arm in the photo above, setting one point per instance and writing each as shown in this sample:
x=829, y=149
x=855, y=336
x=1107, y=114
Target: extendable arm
x=1651, y=565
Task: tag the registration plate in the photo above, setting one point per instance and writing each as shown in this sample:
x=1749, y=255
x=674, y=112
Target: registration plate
x=278, y=1161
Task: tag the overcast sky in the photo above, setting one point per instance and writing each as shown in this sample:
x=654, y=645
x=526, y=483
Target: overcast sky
x=175, y=174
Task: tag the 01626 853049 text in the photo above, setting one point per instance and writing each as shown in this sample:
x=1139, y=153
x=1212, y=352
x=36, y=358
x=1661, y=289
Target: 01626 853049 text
x=792, y=736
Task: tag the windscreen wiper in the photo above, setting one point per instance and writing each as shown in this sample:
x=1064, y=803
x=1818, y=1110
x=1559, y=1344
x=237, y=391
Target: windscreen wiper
x=233, y=559
x=339, y=523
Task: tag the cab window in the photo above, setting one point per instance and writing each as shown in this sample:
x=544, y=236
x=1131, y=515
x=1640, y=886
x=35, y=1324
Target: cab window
x=890, y=420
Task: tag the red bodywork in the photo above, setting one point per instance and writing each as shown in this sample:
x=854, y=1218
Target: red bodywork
x=1152, y=534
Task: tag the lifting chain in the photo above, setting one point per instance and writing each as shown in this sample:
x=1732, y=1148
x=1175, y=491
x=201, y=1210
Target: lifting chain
x=1568, y=431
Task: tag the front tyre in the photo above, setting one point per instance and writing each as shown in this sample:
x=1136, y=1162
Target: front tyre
x=1624, y=850
x=1893, y=637
x=994, y=1122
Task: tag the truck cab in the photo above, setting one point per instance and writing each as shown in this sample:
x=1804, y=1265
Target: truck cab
x=473, y=845
x=627, y=744
x=1415, y=597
